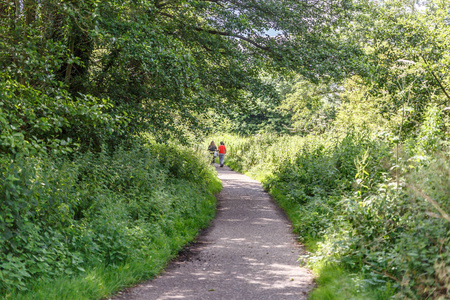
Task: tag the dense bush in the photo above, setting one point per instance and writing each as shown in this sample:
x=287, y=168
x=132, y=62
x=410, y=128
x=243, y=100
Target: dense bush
x=59, y=217
x=32, y=121
x=346, y=195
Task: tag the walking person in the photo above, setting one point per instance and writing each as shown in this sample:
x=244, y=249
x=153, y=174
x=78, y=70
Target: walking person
x=222, y=151
x=213, y=151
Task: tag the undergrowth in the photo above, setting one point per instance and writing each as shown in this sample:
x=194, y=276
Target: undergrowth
x=84, y=226
x=372, y=212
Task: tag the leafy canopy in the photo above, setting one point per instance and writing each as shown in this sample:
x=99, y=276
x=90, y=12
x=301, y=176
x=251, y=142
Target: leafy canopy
x=163, y=64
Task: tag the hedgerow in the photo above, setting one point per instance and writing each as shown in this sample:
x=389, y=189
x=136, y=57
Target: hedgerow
x=345, y=197
x=61, y=217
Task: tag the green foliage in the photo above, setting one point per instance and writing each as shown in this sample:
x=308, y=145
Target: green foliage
x=61, y=217
x=261, y=117
x=405, y=55
x=338, y=283
x=431, y=131
x=341, y=192
x=298, y=106
x=164, y=64
x=312, y=106
x=33, y=122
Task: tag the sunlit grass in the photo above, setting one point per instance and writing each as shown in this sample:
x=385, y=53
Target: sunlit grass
x=335, y=283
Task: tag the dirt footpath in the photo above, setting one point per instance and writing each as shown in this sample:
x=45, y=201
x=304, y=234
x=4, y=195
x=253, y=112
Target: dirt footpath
x=249, y=252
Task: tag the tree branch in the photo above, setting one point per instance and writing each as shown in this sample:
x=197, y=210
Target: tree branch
x=224, y=33
x=435, y=77
x=230, y=34
x=214, y=1
x=159, y=4
x=381, y=272
x=431, y=201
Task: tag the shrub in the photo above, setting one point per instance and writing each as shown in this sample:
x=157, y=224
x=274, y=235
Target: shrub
x=364, y=208
x=61, y=216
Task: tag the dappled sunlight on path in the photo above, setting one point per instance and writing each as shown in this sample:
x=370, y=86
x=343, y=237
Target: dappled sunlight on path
x=249, y=252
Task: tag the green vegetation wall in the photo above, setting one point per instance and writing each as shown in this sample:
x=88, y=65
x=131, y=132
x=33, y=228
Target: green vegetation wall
x=360, y=207
x=152, y=65
x=132, y=208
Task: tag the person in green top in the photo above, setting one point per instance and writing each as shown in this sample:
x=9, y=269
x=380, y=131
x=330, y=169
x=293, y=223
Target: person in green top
x=213, y=151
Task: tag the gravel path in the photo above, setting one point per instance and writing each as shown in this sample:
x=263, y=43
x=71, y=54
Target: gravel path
x=249, y=252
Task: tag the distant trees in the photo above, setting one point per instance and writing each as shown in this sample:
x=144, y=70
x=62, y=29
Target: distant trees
x=407, y=56
x=401, y=73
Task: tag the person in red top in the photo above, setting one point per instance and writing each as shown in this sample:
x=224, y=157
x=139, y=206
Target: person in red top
x=222, y=151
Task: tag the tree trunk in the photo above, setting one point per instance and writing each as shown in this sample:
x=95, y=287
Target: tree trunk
x=70, y=65
x=30, y=7
x=17, y=10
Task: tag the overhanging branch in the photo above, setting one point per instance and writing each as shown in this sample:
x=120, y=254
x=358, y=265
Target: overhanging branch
x=230, y=34
x=224, y=33
x=436, y=78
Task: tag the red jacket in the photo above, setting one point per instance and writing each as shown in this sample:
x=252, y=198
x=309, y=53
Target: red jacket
x=222, y=149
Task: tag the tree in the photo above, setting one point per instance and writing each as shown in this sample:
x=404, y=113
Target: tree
x=406, y=57
x=165, y=63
